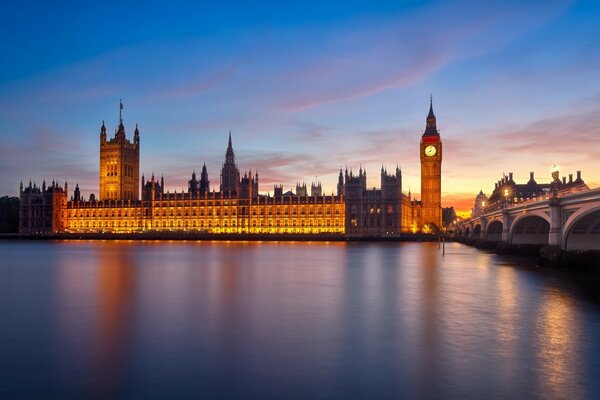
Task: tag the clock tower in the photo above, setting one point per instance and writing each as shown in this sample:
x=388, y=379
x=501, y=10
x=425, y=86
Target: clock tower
x=431, y=174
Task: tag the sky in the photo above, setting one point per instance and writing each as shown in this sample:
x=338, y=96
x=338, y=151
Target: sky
x=306, y=88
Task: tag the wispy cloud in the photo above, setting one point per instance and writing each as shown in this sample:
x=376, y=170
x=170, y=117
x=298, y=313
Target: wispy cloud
x=204, y=83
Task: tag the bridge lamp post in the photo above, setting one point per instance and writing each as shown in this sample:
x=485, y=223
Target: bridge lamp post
x=555, y=179
x=506, y=196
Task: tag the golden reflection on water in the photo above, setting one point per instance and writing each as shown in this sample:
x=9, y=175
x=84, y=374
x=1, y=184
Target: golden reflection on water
x=440, y=320
x=507, y=333
x=116, y=286
x=557, y=335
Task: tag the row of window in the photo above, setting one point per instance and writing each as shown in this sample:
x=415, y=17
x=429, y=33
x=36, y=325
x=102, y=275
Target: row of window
x=230, y=211
x=204, y=224
x=113, y=170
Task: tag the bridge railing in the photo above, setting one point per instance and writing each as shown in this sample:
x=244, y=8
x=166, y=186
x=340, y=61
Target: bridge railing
x=514, y=202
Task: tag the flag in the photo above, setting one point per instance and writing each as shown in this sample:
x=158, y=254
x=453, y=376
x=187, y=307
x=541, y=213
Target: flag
x=121, y=104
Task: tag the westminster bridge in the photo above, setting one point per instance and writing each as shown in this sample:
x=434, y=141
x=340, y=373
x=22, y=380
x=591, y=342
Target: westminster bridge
x=570, y=222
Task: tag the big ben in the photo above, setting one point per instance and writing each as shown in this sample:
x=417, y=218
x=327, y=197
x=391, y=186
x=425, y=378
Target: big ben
x=431, y=174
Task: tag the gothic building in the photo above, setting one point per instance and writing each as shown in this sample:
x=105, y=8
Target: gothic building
x=431, y=175
x=119, y=164
x=372, y=212
x=238, y=207
x=43, y=210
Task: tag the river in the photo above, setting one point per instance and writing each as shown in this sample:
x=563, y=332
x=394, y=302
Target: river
x=128, y=319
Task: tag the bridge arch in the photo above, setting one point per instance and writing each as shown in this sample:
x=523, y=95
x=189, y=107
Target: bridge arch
x=467, y=232
x=530, y=228
x=582, y=230
x=476, y=231
x=494, y=230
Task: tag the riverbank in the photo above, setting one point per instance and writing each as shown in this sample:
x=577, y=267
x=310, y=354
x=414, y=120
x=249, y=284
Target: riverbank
x=407, y=237
x=548, y=256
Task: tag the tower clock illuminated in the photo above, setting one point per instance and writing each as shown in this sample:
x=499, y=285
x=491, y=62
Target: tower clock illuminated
x=430, y=151
x=431, y=175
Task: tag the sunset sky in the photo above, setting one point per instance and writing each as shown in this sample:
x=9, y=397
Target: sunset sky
x=305, y=88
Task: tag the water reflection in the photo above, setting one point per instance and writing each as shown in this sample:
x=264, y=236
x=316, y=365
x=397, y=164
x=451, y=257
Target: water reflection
x=116, y=288
x=225, y=320
x=557, y=336
x=95, y=291
x=429, y=330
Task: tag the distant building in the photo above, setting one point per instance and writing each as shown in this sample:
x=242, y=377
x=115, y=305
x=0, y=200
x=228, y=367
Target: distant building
x=448, y=216
x=507, y=191
x=43, y=210
x=9, y=214
x=481, y=201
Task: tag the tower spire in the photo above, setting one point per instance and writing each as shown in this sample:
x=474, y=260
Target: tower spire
x=431, y=126
x=431, y=114
x=229, y=155
x=120, y=112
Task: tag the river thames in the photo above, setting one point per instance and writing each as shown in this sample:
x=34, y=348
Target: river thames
x=121, y=319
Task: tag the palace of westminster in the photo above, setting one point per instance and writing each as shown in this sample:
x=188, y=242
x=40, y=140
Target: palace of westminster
x=237, y=207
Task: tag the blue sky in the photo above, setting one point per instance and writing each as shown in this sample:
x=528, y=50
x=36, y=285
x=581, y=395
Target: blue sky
x=305, y=88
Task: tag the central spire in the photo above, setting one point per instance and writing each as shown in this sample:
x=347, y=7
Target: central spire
x=120, y=112
x=431, y=126
x=229, y=155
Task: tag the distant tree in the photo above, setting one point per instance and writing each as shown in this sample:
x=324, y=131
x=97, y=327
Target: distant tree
x=448, y=216
x=9, y=214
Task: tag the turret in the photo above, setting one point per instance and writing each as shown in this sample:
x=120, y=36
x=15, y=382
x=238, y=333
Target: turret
x=77, y=193
x=103, y=133
x=316, y=189
x=120, y=133
x=278, y=191
x=204, y=182
x=193, y=185
x=136, y=136
x=255, y=191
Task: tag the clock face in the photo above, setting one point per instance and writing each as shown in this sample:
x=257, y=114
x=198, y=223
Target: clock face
x=430, y=151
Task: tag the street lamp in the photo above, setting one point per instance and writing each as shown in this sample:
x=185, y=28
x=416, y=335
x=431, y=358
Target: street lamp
x=506, y=196
x=555, y=179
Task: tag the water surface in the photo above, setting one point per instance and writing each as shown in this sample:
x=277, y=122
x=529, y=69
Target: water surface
x=83, y=319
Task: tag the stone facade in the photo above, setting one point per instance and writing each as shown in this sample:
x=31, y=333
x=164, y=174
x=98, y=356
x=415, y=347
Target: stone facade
x=373, y=212
x=119, y=164
x=431, y=175
x=43, y=210
x=238, y=207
